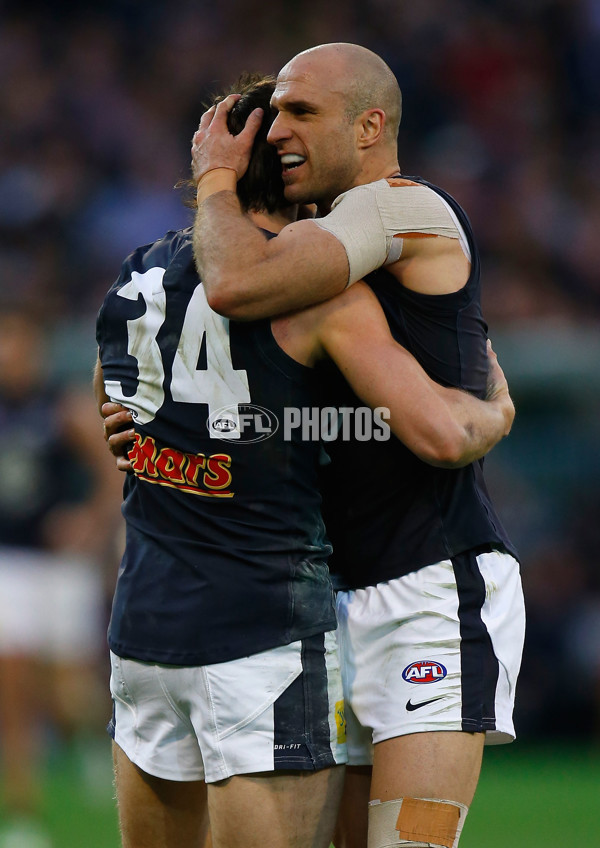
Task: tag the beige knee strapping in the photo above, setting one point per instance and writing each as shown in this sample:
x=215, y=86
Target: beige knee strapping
x=415, y=822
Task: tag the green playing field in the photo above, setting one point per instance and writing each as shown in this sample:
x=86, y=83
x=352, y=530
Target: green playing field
x=528, y=797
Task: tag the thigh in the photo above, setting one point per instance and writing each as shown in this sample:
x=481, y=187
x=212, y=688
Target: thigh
x=291, y=810
x=157, y=813
x=442, y=765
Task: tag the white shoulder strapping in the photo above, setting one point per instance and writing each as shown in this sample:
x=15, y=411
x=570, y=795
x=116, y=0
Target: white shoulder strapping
x=371, y=221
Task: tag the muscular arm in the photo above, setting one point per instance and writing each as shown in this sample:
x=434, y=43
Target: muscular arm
x=247, y=276
x=442, y=426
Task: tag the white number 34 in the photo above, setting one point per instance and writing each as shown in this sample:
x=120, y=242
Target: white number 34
x=218, y=385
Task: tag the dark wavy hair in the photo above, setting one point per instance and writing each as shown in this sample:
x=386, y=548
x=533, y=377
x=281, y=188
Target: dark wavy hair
x=261, y=187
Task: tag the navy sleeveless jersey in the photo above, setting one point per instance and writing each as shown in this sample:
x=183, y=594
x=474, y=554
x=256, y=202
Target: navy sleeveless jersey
x=226, y=553
x=387, y=512
x=39, y=470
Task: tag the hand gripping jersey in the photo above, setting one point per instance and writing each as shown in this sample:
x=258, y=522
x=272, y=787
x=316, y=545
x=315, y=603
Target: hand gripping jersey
x=387, y=512
x=225, y=549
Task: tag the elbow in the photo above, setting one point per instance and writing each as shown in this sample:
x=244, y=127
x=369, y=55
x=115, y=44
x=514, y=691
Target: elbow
x=446, y=450
x=453, y=457
x=226, y=297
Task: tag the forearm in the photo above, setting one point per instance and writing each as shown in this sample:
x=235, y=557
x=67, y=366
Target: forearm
x=442, y=426
x=438, y=432
x=447, y=428
x=223, y=235
x=247, y=276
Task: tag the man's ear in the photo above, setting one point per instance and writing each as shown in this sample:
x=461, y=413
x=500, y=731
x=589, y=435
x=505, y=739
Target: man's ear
x=370, y=127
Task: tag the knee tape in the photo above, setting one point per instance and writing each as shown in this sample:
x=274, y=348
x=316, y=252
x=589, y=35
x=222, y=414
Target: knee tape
x=415, y=822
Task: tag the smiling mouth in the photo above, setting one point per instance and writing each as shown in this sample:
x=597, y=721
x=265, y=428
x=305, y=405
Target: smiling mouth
x=290, y=161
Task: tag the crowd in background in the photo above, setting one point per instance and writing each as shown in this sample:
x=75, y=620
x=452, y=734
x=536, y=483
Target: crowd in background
x=98, y=104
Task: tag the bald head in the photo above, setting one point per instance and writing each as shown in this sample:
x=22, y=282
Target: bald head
x=336, y=124
x=359, y=75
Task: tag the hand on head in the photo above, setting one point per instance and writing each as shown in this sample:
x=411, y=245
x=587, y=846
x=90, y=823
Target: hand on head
x=213, y=146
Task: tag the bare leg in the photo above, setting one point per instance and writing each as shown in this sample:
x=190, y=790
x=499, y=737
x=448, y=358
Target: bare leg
x=275, y=810
x=79, y=699
x=156, y=813
x=352, y=823
x=443, y=765
x=20, y=742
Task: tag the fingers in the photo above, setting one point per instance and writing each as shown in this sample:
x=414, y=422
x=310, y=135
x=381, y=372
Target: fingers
x=218, y=111
x=110, y=408
x=252, y=125
x=119, y=445
x=226, y=105
x=213, y=146
x=118, y=432
x=117, y=422
x=206, y=119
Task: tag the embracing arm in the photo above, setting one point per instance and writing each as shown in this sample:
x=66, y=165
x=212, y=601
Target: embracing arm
x=248, y=276
x=442, y=426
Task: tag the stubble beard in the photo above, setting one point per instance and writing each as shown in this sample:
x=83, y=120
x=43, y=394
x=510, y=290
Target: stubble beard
x=321, y=191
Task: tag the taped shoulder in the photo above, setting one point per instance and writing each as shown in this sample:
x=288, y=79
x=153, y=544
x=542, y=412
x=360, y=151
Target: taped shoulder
x=371, y=222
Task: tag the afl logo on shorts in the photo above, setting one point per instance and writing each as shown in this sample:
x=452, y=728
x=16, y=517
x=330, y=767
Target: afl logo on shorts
x=424, y=671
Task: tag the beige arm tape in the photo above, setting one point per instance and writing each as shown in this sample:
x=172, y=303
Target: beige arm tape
x=217, y=179
x=371, y=221
x=415, y=822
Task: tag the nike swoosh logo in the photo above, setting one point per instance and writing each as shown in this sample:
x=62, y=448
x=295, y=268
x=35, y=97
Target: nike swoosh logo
x=410, y=706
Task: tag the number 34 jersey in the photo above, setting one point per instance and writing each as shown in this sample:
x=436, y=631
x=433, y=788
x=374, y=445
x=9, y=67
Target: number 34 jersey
x=226, y=553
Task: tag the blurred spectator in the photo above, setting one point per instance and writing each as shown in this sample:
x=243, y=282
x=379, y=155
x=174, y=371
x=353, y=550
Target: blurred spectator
x=59, y=517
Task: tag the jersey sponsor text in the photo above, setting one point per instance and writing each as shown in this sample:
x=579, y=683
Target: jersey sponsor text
x=196, y=473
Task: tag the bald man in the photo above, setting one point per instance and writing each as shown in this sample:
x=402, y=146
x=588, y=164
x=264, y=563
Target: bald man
x=431, y=617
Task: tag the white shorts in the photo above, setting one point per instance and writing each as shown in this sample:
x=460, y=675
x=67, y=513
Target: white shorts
x=437, y=649
x=51, y=606
x=279, y=709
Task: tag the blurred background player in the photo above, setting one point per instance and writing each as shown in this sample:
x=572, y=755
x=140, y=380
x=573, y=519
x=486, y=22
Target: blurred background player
x=59, y=517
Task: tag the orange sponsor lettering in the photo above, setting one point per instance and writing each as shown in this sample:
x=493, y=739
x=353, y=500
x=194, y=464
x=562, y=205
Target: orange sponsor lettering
x=169, y=464
x=177, y=470
x=142, y=456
